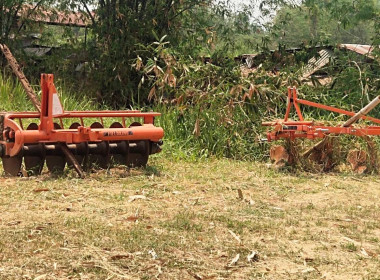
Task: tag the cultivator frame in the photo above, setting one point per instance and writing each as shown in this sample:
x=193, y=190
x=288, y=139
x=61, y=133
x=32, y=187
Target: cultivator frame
x=79, y=145
x=289, y=129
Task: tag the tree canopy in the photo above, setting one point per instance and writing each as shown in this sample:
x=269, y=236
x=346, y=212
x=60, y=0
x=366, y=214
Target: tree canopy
x=122, y=36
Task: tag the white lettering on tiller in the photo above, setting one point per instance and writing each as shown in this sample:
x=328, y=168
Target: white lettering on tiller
x=118, y=133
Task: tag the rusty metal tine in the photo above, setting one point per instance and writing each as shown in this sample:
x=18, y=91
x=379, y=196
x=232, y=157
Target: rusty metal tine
x=71, y=158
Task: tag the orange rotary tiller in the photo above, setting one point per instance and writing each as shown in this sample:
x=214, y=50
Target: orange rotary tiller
x=78, y=145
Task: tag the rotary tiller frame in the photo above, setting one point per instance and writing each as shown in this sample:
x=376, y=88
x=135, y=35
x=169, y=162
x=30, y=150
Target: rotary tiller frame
x=78, y=145
x=289, y=129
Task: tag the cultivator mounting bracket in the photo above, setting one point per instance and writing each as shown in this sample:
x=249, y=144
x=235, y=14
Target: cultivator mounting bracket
x=310, y=129
x=79, y=145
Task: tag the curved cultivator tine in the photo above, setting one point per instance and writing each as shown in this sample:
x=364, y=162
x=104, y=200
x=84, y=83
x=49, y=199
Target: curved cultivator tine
x=12, y=165
x=82, y=147
x=139, y=154
x=138, y=151
x=121, y=157
x=34, y=163
x=56, y=161
x=100, y=157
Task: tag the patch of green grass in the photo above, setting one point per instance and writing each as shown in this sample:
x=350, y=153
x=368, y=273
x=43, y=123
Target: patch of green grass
x=350, y=247
x=235, y=225
x=14, y=98
x=184, y=221
x=12, y=95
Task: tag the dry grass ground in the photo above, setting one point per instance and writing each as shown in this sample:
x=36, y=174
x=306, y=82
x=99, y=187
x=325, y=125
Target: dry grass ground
x=181, y=220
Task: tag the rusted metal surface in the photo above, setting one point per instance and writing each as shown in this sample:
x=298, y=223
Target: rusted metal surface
x=325, y=55
x=54, y=16
x=357, y=159
x=360, y=49
x=12, y=165
x=316, y=63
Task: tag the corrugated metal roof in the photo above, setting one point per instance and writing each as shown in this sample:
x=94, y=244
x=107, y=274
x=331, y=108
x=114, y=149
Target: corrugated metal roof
x=54, y=16
x=315, y=64
x=360, y=49
x=39, y=52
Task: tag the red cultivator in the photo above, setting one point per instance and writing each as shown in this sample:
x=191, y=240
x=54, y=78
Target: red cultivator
x=79, y=145
x=309, y=129
x=288, y=129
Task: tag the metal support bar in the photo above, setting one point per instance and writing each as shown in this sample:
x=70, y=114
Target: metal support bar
x=71, y=158
x=288, y=105
x=336, y=110
x=298, y=110
x=348, y=123
x=363, y=112
x=309, y=129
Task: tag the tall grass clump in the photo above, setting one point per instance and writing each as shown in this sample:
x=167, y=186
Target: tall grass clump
x=73, y=100
x=211, y=108
x=14, y=98
x=204, y=133
x=12, y=95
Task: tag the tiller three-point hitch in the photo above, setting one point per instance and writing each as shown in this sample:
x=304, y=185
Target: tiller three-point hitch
x=46, y=138
x=291, y=130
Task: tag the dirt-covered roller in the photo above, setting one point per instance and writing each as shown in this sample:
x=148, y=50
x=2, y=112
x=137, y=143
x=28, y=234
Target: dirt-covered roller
x=39, y=137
